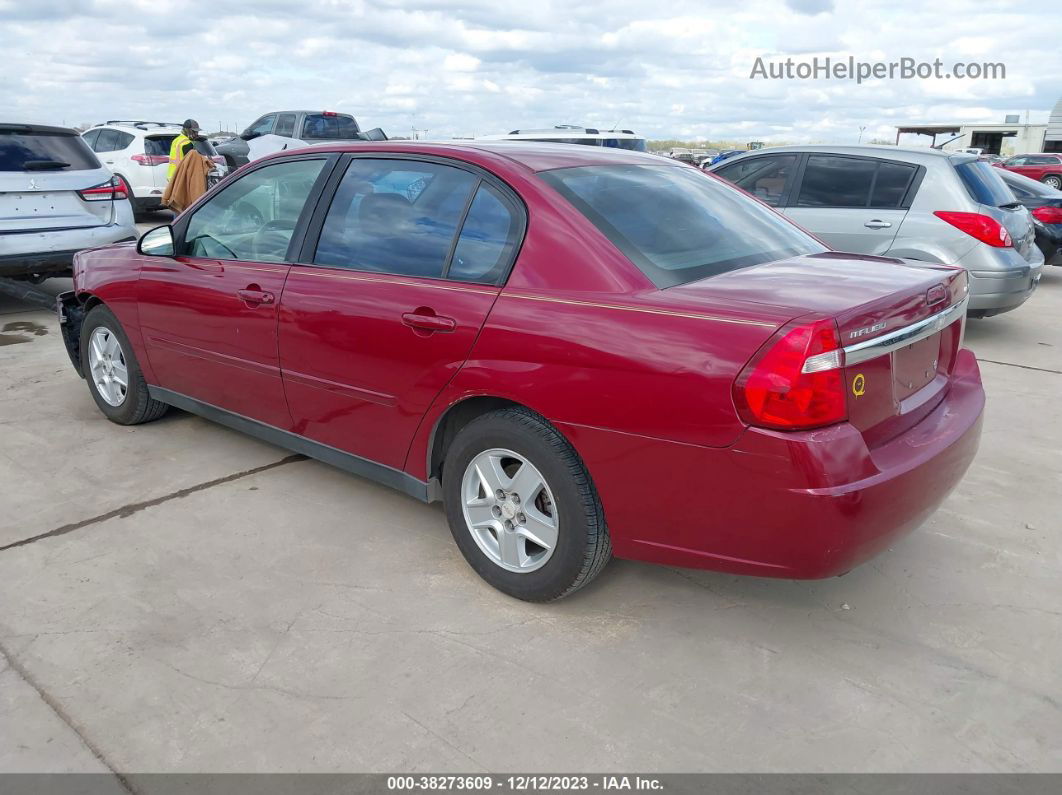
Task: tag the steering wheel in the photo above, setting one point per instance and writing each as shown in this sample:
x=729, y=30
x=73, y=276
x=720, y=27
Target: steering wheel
x=270, y=242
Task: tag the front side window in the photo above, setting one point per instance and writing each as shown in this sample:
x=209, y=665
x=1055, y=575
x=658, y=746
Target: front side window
x=254, y=218
x=677, y=224
x=329, y=127
x=765, y=178
x=263, y=126
x=90, y=137
x=395, y=216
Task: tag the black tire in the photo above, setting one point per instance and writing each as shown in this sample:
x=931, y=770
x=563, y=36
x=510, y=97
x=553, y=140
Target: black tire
x=583, y=545
x=138, y=406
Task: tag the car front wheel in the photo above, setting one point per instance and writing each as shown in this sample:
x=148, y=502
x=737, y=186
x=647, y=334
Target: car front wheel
x=522, y=508
x=1053, y=181
x=113, y=374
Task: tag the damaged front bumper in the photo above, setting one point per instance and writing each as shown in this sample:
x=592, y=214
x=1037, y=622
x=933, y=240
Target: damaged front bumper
x=71, y=318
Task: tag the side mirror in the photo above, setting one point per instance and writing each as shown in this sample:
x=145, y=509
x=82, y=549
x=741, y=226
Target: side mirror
x=247, y=135
x=157, y=242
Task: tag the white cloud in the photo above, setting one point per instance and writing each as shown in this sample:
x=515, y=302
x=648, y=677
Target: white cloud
x=667, y=69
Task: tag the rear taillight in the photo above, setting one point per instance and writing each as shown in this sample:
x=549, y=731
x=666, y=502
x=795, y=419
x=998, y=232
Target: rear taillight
x=110, y=190
x=1048, y=215
x=984, y=228
x=150, y=160
x=795, y=382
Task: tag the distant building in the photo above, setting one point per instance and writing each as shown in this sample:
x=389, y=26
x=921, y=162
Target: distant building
x=1009, y=138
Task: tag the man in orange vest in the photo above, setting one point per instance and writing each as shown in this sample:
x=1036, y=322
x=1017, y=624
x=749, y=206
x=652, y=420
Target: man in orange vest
x=182, y=145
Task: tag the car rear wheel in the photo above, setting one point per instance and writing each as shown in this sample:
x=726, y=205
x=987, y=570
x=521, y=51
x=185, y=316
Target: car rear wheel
x=113, y=374
x=1053, y=181
x=522, y=508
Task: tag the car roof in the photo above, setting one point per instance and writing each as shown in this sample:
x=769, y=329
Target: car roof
x=535, y=155
x=911, y=154
x=36, y=128
x=142, y=126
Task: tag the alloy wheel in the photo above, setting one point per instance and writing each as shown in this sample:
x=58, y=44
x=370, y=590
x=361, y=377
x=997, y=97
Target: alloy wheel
x=509, y=510
x=107, y=366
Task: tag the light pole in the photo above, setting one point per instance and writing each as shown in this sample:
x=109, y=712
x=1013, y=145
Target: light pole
x=861, y=134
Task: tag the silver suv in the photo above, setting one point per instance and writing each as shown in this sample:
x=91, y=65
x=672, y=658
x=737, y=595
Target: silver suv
x=919, y=204
x=55, y=199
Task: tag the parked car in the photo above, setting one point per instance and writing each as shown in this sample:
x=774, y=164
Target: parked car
x=55, y=198
x=726, y=154
x=571, y=134
x=1045, y=168
x=138, y=154
x=1045, y=204
x=920, y=204
x=582, y=351
x=293, y=129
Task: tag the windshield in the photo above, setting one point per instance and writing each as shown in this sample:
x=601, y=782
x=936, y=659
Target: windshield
x=30, y=151
x=677, y=224
x=984, y=184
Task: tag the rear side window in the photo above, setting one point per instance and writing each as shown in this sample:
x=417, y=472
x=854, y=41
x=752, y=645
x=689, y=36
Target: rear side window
x=30, y=151
x=765, y=177
x=90, y=137
x=984, y=185
x=831, y=181
x=395, y=216
x=158, y=145
x=891, y=184
x=678, y=224
x=487, y=241
x=285, y=125
x=329, y=127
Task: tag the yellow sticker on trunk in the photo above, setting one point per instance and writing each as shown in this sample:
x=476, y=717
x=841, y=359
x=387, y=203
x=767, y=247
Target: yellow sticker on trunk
x=859, y=385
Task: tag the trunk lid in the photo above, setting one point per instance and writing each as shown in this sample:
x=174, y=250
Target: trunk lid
x=35, y=201
x=872, y=300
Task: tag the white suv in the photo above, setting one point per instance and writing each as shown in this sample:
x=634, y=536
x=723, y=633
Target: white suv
x=138, y=153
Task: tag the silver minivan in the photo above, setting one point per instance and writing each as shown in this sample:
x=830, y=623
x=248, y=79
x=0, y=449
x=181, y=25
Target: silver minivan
x=920, y=204
x=55, y=199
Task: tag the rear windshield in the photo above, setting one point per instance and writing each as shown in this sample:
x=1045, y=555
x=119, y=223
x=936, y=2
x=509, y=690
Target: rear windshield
x=318, y=126
x=1025, y=187
x=677, y=224
x=30, y=151
x=984, y=184
x=160, y=145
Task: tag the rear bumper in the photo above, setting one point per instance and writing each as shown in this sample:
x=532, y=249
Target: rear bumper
x=53, y=252
x=994, y=293
x=794, y=505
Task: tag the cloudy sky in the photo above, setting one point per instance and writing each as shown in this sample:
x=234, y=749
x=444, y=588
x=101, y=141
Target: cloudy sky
x=673, y=69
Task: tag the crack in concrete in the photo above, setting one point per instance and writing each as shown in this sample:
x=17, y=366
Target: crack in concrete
x=1022, y=366
x=135, y=507
x=60, y=713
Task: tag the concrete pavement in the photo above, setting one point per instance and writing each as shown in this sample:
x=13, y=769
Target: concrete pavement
x=200, y=601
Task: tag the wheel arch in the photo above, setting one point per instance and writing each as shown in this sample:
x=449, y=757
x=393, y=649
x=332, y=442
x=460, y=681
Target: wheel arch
x=452, y=420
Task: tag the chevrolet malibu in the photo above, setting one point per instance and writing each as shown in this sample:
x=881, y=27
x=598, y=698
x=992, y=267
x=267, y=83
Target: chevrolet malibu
x=582, y=352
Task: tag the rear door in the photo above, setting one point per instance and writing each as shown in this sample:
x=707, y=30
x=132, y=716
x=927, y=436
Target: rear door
x=157, y=157
x=42, y=171
x=853, y=203
x=209, y=314
x=399, y=273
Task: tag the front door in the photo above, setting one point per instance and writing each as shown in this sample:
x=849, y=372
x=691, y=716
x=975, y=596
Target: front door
x=406, y=268
x=853, y=204
x=209, y=315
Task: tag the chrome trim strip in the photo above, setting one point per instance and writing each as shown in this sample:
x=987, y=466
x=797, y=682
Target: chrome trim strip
x=887, y=343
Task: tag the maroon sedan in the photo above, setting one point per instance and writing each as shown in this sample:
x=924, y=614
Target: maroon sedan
x=1045, y=168
x=582, y=352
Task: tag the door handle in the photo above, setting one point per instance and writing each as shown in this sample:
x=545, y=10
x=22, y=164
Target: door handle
x=877, y=224
x=417, y=320
x=255, y=296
